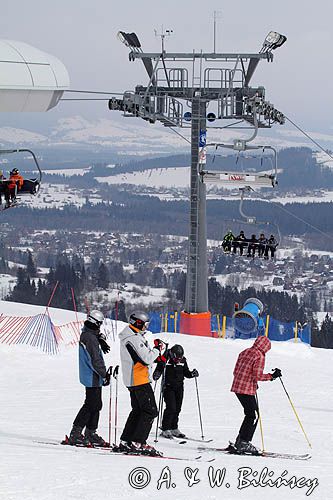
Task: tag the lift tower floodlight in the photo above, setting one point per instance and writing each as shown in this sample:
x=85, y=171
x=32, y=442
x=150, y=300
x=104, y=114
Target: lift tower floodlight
x=199, y=90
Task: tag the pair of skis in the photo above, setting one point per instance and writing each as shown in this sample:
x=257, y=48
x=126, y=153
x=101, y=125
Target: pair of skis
x=113, y=450
x=231, y=450
x=202, y=449
x=186, y=438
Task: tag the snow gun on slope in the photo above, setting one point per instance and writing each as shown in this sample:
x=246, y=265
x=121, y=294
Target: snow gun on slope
x=248, y=320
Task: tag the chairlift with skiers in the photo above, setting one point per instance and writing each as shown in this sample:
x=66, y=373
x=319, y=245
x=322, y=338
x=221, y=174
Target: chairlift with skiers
x=262, y=245
x=16, y=186
x=247, y=181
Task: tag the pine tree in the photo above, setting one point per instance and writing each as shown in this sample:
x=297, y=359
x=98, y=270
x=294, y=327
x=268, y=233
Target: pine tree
x=31, y=268
x=158, y=277
x=103, y=276
x=326, y=332
x=24, y=291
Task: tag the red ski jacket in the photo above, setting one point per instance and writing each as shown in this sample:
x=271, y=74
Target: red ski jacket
x=249, y=367
x=15, y=179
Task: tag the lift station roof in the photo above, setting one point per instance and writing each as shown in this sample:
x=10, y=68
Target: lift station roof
x=30, y=79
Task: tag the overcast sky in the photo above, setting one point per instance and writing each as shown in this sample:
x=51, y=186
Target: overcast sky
x=82, y=33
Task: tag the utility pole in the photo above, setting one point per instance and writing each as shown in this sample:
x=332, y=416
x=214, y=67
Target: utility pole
x=216, y=16
x=181, y=87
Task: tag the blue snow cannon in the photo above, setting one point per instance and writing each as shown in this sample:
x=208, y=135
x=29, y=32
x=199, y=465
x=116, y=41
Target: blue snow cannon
x=247, y=320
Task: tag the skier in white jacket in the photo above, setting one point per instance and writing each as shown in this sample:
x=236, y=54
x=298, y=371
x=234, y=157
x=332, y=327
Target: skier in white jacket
x=136, y=361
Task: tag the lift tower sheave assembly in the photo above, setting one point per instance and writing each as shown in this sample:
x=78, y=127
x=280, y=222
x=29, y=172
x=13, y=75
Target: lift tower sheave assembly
x=200, y=91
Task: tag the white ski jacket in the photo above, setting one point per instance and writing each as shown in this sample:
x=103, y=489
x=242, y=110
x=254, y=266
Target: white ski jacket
x=136, y=357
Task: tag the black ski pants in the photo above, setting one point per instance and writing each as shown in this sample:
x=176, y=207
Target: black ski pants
x=141, y=418
x=88, y=416
x=250, y=421
x=173, y=397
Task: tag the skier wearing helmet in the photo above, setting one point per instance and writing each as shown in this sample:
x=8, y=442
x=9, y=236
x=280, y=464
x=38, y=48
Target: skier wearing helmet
x=228, y=241
x=93, y=375
x=175, y=369
x=240, y=242
x=14, y=185
x=249, y=369
x=137, y=358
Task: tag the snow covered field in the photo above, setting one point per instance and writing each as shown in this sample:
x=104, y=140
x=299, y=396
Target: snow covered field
x=40, y=396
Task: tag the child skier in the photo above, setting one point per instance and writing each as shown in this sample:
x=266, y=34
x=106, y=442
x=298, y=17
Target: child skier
x=93, y=375
x=176, y=369
x=248, y=371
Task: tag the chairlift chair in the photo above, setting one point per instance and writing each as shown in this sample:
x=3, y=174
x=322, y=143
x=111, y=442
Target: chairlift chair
x=250, y=220
x=31, y=186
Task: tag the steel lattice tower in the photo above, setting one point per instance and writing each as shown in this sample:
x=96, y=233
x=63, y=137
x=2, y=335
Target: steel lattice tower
x=199, y=91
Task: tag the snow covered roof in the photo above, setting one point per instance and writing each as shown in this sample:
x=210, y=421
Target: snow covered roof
x=30, y=80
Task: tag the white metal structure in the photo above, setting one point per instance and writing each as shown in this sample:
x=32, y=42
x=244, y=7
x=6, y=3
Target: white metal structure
x=30, y=80
x=238, y=178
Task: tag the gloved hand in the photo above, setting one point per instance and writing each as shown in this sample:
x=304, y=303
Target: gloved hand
x=115, y=371
x=106, y=381
x=195, y=373
x=157, y=374
x=161, y=358
x=276, y=373
x=102, y=342
x=158, y=344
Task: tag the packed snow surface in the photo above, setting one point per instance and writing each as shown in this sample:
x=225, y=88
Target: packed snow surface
x=40, y=396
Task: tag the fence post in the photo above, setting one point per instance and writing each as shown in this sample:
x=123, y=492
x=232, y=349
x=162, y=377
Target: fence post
x=296, y=331
x=267, y=325
x=166, y=322
x=224, y=324
x=218, y=326
x=176, y=314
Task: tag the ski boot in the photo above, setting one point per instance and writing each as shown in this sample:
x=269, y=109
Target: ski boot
x=76, y=438
x=176, y=433
x=245, y=448
x=94, y=439
x=168, y=434
x=146, y=449
x=124, y=447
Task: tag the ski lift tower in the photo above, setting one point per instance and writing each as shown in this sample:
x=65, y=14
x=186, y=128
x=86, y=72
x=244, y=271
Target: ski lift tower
x=199, y=90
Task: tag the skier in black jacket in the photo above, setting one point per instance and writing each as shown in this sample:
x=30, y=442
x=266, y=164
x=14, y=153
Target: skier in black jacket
x=93, y=375
x=175, y=369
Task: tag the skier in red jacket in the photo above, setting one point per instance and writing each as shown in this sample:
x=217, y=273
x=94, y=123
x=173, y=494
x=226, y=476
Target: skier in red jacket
x=249, y=369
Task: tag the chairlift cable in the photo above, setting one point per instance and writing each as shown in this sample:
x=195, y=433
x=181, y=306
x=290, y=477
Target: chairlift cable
x=304, y=221
x=308, y=136
x=281, y=207
x=90, y=92
x=178, y=133
x=94, y=92
x=86, y=99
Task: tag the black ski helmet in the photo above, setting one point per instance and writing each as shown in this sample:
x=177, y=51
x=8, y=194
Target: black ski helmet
x=139, y=319
x=177, y=351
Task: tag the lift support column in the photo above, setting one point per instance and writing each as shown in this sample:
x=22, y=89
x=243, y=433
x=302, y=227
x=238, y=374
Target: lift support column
x=195, y=319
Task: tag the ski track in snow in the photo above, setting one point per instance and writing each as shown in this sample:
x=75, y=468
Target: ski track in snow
x=40, y=396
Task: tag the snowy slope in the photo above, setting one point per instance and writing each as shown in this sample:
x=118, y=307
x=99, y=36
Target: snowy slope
x=40, y=396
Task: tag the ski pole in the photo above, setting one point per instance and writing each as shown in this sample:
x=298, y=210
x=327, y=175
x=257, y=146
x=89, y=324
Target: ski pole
x=110, y=404
x=115, y=375
x=196, y=385
x=260, y=425
x=160, y=403
x=293, y=407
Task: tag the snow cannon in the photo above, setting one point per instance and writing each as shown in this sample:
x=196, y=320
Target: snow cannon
x=247, y=320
